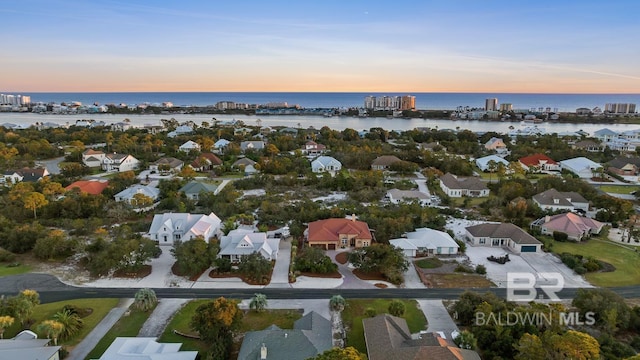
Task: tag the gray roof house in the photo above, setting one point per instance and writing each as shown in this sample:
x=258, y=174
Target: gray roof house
x=426, y=242
x=252, y=145
x=310, y=336
x=388, y=337
x=27, y=346
x=243, y=162
x=502, y=235
x=555, y=200
x=129, y=193
x=166, y=165
x=397, y=196
x=580, y=166
x=455, y=186
x=169, y=227
x=193, y=189
x=325, y=164
x=243, y=242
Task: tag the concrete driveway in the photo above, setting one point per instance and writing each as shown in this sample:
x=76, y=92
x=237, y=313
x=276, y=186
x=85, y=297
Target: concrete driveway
x=411, y=278
x=438, y=317
x=280, y=276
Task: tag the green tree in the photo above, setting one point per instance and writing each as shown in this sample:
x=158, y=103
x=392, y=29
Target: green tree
x=336, y=353
x=530, y=347
x=52, y=329
x=337, y=303
x=145, y=299
x=466, y=340
x=574, y=345
x=386, y=259
x=258, y=302
x=193, y=256
x=216, y=321
x=5, y=322
x=396, y=308
x=34, y=201
x=255, y=267
x=71, y=323
x=141, y=200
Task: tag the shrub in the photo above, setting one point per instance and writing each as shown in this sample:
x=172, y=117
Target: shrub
x=370, y=312
x=570, y=260
x=463, y=269
x=560, y=236
x=6, y=256
x=396, y=308
x=580, y=270
x=592, y=265
x=223, y=265
x=314, y=260
x=481, y=269
x=462, y=246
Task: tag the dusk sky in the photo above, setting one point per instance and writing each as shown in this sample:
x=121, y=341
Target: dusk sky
x=580, y=46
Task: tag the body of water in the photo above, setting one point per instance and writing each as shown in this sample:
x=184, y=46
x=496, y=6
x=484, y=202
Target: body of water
x=424, y=101
x=336, y=122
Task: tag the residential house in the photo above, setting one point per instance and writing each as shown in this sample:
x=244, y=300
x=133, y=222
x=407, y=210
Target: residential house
x=289, y=130
x=397, y=196
x=93, y=187
x=384, y=162
x=496, y=144
x=252, y=145
x=311, y=335
x=243, y=163
x=555, y=200
x=331, y=234
x=121, y=126
x=128, y=194
x=388, y=337
x=93, y=158
x=606, y=135
x=154, y=129
x=503, y=235
x=538, y=162
x=575, y=226
x=145, y=348
x=193, y=189
x=589, y=145
x=242, y=242
x=12, y=177
x=621, y=144
x=181, y=130
x=432, y=146
x=581, y=166
x=166, y=165
x=325, y=164
x=119, y=162
x=485, y=163
x=221, y=144
x=205, y=162
x=265, y=130
x=27, y=346
x=625, y=166
x=426, y=242
x=189, y=146
x=455, y=186
x=170, y=227
x=312, y=148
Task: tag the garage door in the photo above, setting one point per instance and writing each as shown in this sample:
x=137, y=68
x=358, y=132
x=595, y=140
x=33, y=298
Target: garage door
x=528, y=249
x=332, y=246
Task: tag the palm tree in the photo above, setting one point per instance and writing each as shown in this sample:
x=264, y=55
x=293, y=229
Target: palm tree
x=337, y=303
x=258, y=302
x=5, y=322
x=145, y=299
x=70, y=321
x=492, y=165
x=52, y=329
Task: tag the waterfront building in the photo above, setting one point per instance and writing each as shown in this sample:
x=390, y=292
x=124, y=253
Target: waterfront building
x=491, y=104
x=620, y=108
x=506, y=107
x=408, y=102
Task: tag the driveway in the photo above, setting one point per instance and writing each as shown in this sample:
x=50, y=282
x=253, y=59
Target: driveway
x=349, y=281
x=411, y=278
x=280, y=276
x=162, y=314
x=438, y=317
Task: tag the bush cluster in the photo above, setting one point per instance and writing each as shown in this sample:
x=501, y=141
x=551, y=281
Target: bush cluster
x=580, y=264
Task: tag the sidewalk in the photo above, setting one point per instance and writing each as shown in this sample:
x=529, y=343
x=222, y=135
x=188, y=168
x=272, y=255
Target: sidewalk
x=83, y=349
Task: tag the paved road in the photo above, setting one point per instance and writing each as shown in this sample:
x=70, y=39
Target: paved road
x=83, y=349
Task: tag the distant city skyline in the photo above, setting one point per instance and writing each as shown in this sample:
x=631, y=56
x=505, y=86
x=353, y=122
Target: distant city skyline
x=330, y=46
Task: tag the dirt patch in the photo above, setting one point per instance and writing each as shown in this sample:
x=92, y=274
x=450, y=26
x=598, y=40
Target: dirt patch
x=342, y=257
x=457, y=280
x=143, y=272
x=381, y=285
x=335, y=275
x=369, y=275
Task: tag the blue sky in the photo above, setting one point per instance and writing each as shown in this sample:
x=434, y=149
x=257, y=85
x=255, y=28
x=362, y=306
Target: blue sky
x=395, y=46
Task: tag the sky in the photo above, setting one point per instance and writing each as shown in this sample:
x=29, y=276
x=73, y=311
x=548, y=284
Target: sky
x=568, y=46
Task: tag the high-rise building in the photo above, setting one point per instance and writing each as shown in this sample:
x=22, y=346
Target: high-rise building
x=620, y=108
x=408, y=102
x=491, y=104
x=506, y=107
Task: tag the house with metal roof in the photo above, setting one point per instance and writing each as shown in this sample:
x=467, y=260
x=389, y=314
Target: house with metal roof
x=129, y=194
x=484, y=163
x=189, y=146
x=311, y=335
x=325, y=164
x=426, y=242
x=145, y=348
x=239, y=243
x=502, y=235
x=581, y=166
x=170, y=227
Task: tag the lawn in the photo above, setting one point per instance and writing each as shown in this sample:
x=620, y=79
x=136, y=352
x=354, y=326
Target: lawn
x=457, y=280
x=128, y=325
x=354, y=313
x=624, y=259
x=7, y=269
x=43, y=312
x=428, y=263
x=619, y=189
x=251, y=321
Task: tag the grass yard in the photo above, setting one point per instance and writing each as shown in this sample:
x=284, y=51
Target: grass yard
x=128, y=325
x=9, y=269
x=473, y=201
x=43, y=312
x=354, y=313
x=458, y=280
x=624, y=259
x=428, y=263
x=619, y=189
x=250, y=322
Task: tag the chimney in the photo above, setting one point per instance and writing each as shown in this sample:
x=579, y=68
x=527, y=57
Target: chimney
x=547, y=218
x=263, y=352
x=353, y=217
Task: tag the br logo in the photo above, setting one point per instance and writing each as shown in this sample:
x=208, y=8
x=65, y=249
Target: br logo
x=521, y=286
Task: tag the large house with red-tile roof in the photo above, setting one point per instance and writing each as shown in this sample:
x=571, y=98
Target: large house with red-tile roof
x=539, y=162
x=331, y=234
x=93, y=187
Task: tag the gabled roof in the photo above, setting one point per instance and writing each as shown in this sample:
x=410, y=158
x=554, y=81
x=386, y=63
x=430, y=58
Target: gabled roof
x=605, y=132
x=93, y=187
x=190, y=145
x=502, y=231
x=331, y=229
x=580, y=163
x=195, y=224
x=385, y=160
x=325, y=161
x=171, y=161
x=117, y=157
x=310, y=336
x=621, y=162
x=210, y=157
x=563, y=198
x=425, y=238
x=32, y=174
x=92, y=152
x=221, y=143
x=245, y=242
x=196, y=187
x=388, y=337
x=572, y=224
x=483, y=162
x=537, y=159
x=129, y=192
x=243, y=161
x=468, y=183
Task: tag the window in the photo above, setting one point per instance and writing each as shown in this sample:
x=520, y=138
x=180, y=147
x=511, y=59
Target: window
x=365, y=243
x=344, y=241
x=177, y=236
x=495, y=242
x=482, y=241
